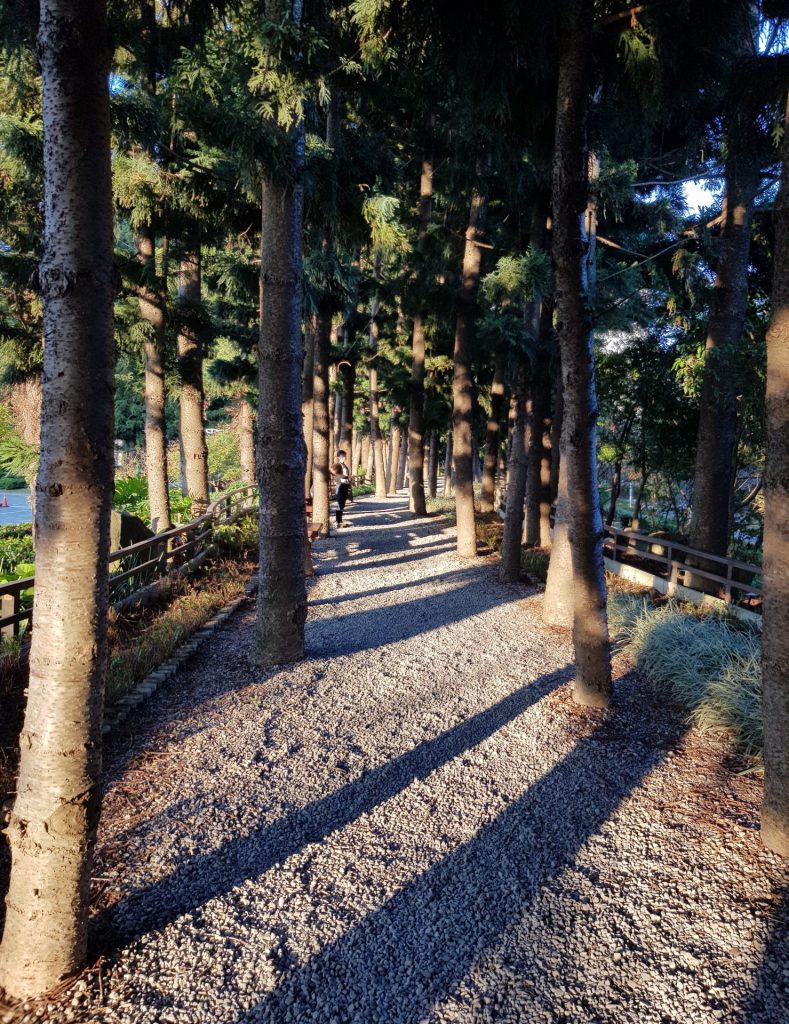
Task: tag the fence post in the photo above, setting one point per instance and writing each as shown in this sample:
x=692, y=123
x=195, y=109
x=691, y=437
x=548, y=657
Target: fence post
x=8, y=607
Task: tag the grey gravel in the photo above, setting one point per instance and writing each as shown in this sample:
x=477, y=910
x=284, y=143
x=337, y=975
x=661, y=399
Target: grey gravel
x=416, y=824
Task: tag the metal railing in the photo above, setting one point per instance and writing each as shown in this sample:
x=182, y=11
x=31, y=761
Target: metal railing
x=675, y=560
x=139, y=566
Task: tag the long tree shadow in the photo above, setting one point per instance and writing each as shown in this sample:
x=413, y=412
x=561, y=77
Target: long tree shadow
x=403, y=958
x=768, y=1002
x=205, y=876
x=438, y=578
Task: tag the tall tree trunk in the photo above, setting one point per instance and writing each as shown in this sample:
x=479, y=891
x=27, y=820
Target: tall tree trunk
x=716, y=449
x=321, y=475
x=394, y=456
x=775, y=576
x=574, y=325
x=369, y=466
x=52, y=828
x=510, y=568
x=463, y=441
x=448, y=464
x=416, y=419
x=334, y=398
x=151, y=297
x=492, y=442
x=245, y=425
x=376, y=440
x=348, y=373
x=556, y=436
x=365, y=458
x=616, y=490
x=557, y=605
x=308, y=400
x=432, y=485
x=190, y=368
x=538, y=485
x=402, y=464
x=282, y=598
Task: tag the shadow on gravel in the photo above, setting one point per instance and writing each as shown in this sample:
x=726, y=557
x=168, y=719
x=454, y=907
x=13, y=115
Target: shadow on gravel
x=438, y=579
x=768, y=1002
x=205, y=876
x=412, y=952
x=390, y=623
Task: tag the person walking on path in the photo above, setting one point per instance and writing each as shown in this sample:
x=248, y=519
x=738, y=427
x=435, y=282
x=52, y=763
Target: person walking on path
x=342, y=485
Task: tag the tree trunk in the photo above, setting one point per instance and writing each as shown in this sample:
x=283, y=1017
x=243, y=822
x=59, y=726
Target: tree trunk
x=190, y=368
x=556, y=437
x=151, y=297
x=245, y=424
x=557, y=605
x=394, y=457
x=376, y=441
x=366, y=459
x=574, y=327
x=492, y=442
x=538, y=481
x=321, y=475
x=448, y=462
x=433, y=464
x=52, y=828
x=616, y=490
x=402, y=464
x=716, y=449
x=282, y=598
x=463, y=441
x=416, y=419
x=348, y=373
x=510, y=568
x=307, y=400
x=775, y=576
x=334, y=398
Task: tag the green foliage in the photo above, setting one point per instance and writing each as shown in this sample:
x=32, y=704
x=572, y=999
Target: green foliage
x=131, y=495
x=17, y=459
x=237, y=540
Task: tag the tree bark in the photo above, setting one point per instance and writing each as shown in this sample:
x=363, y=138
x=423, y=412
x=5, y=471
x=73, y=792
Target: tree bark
x=463, y=441
x=557, y=605
x=538, y=480
x=394, y=456
x=376, y=440
x=775, y=575
x=716, y=449
x=307, y=400
x=52, y=828
x=574, y=324
x=321, y=475
x=416, y=419
x=448, y=462
x=190, y=368
x=510, y=568
x=282, y=598
x=348, y=373
x=433, y=464
x=492, y=441
x=245, y=425
x=151, y=297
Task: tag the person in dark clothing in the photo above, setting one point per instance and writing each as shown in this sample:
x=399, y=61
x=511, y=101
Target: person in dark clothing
x=342, y=485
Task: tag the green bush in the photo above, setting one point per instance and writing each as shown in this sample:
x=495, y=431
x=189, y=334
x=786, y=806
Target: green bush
x=12, y=483
x=706, y=662
x=15, y=552
x=238, y=540
x=131, y=495
x=534, y=562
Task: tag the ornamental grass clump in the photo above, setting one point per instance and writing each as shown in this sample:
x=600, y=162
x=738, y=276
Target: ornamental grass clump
x=703, y=661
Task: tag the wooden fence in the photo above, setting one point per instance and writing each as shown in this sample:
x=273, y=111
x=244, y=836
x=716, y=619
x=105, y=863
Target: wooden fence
x=140, y=570
x=676, y=562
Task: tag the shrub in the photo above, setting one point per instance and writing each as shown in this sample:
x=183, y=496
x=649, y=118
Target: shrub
x=534, y=562
x=237, y=540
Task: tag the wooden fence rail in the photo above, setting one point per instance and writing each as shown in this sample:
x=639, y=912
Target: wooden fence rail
x=141, y=568
x=678, y=560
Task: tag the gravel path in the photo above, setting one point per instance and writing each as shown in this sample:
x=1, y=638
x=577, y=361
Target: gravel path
x=415, y=825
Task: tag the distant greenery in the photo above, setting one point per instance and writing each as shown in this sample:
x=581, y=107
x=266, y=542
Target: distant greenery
x=12, y=483
x=131, y=495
